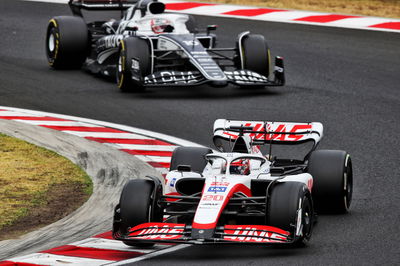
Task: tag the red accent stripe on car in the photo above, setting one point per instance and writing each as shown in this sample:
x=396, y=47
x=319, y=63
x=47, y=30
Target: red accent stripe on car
x=38, y=118
x=11, y=263
x=236, y=188
x=252, y=12
x=92, y=253
x=172, y=194
x=187, y=5
x=325, y=18
x=130, y=141
x=85, y=129
x=387, y=25
x=150, y=153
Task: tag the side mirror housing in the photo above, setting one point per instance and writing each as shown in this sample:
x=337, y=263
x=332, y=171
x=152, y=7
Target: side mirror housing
x=211, y=28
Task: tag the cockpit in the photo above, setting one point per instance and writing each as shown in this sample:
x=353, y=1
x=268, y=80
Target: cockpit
x=149, y=18
x=235, y=164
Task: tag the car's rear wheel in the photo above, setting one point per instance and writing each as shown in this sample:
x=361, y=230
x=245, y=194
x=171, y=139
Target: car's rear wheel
x=332, y=174
x=67, y=42
x=285, y=201
x=134, y=63
x=193, y=156
x=136, y=203
x=191, y=24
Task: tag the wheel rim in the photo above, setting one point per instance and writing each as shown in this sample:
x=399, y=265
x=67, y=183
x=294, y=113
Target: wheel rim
x=52, y=44
x=348, y=183
x=120, y=69
x=307, y=217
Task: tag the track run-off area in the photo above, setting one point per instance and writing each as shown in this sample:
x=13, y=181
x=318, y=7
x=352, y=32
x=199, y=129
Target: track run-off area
x=347, y=79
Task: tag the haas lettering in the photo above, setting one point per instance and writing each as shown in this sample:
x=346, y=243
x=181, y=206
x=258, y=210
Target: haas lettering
x=251, y=235
x=165, y=232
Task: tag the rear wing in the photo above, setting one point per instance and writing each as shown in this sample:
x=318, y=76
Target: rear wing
x=264, y=132
x=77, y=5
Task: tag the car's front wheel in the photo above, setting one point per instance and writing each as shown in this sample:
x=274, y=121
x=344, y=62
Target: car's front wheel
x=290, y=208
x=136, y=206
x=134, y=63
x=254, y=55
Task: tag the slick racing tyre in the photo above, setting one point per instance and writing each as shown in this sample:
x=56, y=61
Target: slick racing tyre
x=67, y=42
x=285, y=200
x=134, y=63
x=193, y=156
x=333, y=180
x=136, y=206
x=255, y=54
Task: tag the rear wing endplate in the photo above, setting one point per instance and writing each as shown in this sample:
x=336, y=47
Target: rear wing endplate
x=265, y=132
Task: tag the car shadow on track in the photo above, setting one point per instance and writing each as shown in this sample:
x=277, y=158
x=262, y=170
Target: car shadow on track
x=204, y=92
x=196, y=92
x=240, y=254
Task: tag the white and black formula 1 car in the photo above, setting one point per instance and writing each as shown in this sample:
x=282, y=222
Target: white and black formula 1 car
x=238, y=195
x=148, y=47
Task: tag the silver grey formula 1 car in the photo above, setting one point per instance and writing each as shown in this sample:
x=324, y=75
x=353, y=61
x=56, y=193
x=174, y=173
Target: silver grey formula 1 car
x=149, y=47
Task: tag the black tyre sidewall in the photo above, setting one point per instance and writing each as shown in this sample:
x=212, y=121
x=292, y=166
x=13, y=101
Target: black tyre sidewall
x=124, y=80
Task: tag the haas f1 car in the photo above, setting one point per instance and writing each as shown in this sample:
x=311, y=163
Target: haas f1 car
x=237, y=194
x=148, y=47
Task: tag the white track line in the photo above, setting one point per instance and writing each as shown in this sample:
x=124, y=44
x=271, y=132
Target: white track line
x=84, y=134
x=55, y=123
x=51, y=259
x=157, y=159
x=151, y=255
x=142, y=147
x=104, y=243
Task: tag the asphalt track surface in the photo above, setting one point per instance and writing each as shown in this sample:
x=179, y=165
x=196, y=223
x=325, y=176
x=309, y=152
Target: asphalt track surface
x=347, y=79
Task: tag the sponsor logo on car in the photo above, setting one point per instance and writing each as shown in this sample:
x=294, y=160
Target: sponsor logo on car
x=254, y=234
x=172, y=77
x=157, y=231
x=216, y=189
x=277, y=128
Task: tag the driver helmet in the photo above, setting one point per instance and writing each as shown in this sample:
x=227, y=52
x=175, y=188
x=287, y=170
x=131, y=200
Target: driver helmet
x=240, y=167
x=161, y=25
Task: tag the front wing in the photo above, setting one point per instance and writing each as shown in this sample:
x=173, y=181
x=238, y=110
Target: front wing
x=192, y=78
x=228, y=234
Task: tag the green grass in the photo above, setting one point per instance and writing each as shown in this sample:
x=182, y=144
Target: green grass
x=27, y=174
